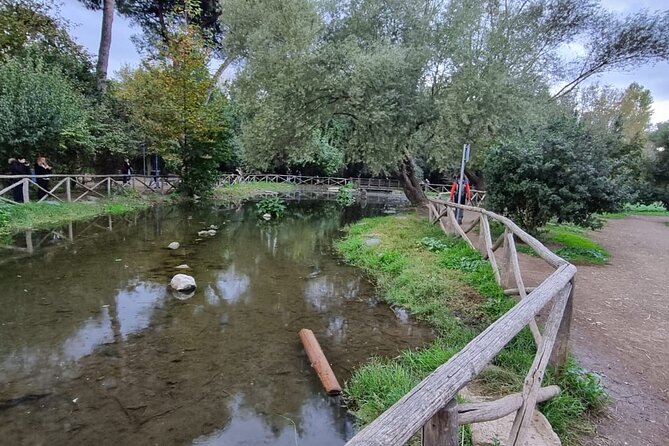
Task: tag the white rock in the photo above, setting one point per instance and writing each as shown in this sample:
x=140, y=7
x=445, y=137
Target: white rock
x=266, y=217
x=183, y=282
x=213, y=227
x=211, y=232
x=173, y=245
x=202, y=233
x=184, y=266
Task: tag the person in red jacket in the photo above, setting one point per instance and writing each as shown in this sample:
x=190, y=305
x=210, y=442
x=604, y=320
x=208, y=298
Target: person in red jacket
x=465, y=197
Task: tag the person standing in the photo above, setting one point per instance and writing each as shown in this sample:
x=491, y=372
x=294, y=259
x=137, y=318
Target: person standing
x=42, y=168
x=126, y=170
x=19, y=167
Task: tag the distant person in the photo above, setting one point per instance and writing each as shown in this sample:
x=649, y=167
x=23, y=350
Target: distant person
x=126, y=170
x=465, y=196
x=42, y=168
x=19, y=167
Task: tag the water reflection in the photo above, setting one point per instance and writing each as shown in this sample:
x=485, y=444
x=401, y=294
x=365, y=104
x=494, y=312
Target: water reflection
x=89, y=324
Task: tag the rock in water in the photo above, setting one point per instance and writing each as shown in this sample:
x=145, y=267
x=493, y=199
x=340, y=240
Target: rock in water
x=173, y=245
x=183, y=266
x=266, y=217
x=183, y=282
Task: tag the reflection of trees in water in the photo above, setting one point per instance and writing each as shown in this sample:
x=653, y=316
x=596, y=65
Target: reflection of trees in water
x=237, y=336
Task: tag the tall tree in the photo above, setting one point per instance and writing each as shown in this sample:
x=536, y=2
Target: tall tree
x=105, y=45
x=413, y=80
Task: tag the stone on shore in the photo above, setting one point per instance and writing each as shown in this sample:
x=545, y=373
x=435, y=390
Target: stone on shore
x=173, y=245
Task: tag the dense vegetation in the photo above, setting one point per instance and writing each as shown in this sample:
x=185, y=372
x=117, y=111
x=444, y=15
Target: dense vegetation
x=443, y=281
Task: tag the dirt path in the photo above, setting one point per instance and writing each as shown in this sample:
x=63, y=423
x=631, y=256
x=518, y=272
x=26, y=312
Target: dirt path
x=621, y=330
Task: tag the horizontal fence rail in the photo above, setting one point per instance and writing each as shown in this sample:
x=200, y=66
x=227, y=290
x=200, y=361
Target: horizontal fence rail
x=73, y=188
x=431, y=405
x=374, y=184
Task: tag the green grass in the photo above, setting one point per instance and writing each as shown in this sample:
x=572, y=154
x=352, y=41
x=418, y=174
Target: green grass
x=443, y=281
x=17, y=217
x=654, y=209
x=571, y=243
x=243, y=191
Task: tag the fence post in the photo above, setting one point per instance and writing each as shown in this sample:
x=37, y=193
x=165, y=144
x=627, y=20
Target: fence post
x=108, y=187
x=561, y=348
x=26, y=190
x=443, y=427
x=68, y=190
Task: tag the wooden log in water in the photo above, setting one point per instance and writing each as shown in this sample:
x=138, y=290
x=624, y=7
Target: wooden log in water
x=319, y=362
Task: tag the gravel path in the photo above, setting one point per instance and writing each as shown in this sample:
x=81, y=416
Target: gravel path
x=621, y=330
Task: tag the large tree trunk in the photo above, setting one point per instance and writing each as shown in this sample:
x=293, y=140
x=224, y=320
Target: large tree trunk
x=410, y=184
x=105, y=44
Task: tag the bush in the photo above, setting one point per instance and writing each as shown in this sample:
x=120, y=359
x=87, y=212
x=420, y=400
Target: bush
x=561, y=172
x=272, y=206
x=345, y=195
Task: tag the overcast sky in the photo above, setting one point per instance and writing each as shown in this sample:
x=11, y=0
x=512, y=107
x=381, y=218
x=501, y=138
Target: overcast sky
x=87, y=23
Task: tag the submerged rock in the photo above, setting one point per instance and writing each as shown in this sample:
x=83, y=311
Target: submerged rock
x=209, y=232
x=267, y=217
x=173, y=245
x=183, y=266
x=183, y=282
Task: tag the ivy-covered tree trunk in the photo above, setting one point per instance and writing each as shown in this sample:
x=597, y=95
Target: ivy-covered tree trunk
x=410, y=184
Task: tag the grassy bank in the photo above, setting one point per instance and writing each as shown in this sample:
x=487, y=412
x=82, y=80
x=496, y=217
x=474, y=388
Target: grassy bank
x=17, y=217
x=243, y=191
x=444, y=282
x=571, y=243
x=654, y=209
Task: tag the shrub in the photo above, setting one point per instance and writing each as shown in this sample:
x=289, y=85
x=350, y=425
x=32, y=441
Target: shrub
x=272, y=206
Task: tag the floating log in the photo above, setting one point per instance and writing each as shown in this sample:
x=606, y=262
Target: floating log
x=319, y=362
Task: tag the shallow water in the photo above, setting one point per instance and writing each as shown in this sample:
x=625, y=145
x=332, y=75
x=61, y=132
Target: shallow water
x=94, y=348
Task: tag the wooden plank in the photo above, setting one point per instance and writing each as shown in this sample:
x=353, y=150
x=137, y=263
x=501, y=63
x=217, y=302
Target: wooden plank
x=516, y=292
x=88, y=189
x=561, y=348
x=515, y=267
x=459, y=230
x=536, y=373
x=543, y=252
x=397, y=424
x=443, y=428
x=490, y=254
x=50, y=192
x=493, y=410
x=26, y=191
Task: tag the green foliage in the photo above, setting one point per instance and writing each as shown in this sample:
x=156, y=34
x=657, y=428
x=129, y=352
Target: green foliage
x=559, y=171
x=273, y=206
x=345, y=195
x=442, y=280
x=657, y=208
x=40, y=111
x=173, y=100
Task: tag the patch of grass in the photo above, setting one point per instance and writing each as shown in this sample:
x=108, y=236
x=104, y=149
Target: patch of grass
x=656, y=209
x=572, y=244
x=242, y=191
x=48, y=214
x=443, y=281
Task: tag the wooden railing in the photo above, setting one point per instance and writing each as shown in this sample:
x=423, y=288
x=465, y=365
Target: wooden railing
x=378, y=184
x=431, y=405
x=73, y=188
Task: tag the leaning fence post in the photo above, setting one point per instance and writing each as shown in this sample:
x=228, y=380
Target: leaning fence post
x=26, y=190
x=561, y=347
x=443, y=428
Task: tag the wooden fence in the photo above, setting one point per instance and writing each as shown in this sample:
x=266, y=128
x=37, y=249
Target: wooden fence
x=431, y=405
x=373, y=184
x=73, y=188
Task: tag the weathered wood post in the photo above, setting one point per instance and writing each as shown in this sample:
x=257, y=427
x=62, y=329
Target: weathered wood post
x=108, y=187
x=68, y=190
x=443, y=427
x=26, y=190
x=561, y=348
